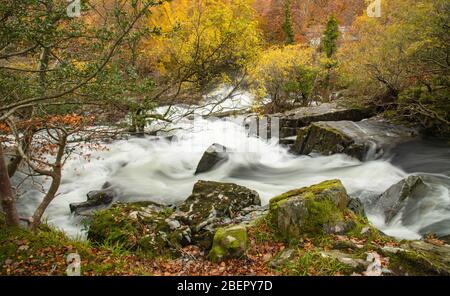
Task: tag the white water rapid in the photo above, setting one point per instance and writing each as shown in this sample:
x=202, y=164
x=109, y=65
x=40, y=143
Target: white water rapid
x=163, y=171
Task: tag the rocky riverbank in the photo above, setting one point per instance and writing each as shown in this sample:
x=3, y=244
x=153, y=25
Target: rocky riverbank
x=311, y=230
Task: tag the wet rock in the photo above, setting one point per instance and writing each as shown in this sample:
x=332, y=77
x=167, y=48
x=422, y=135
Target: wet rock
x=231, y=242
x=400, y=195
x=292, y=120
x=414, y=201
x=213, y=205
x=215, y=155
x=367, y=139
x=309, y=210
x=96, y=200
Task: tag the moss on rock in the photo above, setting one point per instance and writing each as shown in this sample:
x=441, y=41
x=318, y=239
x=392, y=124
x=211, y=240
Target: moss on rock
x=230, y=242
x=310, y=208
x=139, y=227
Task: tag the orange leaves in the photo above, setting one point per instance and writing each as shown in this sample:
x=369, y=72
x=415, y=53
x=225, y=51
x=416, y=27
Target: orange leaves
x=36, y=123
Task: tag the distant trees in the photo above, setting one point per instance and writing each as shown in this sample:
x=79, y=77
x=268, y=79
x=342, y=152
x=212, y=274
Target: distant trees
x=401, y=60
x=306, y=15
x=283, y=77
x=201, y=44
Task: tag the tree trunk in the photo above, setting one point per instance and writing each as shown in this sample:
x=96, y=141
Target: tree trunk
x=49, y=197
x=6, y=194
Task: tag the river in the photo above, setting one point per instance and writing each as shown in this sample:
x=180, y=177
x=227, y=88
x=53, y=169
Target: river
x=163, y=171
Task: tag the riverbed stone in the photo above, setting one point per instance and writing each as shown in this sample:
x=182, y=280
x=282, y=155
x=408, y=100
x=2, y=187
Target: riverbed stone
x=398, y=196
x=367, y=139
x=215, y=155
x=230, y=242
x=420, y=258
x=213, y=205
x=143, y=226
x=309, y=210
x=292, y=120
x=96, y=200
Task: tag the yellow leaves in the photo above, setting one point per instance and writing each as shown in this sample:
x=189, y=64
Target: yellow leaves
x=277, y=66
x=79, y=65
x=195, y=32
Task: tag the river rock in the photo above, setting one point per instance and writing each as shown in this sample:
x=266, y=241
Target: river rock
x=292, y=120
x=403, y=194
x=213, y=156
x=420, y=258
x=313, y=209
x=414, y=202
x=230, y=242
x=142, y=226
x=96, y=200
x=355, y=204
x=213, y=205
x=441, y=229
x=367, y=139
x=358, y=265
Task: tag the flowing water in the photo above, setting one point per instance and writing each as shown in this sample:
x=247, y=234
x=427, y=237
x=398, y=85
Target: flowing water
x=158, y=170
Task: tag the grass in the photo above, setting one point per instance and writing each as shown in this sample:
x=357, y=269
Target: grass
x=313, y=263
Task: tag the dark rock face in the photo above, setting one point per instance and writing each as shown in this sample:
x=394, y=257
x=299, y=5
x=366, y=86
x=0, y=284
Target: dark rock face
x=213, y=156
x=213, y=205
x=400, y=195
x=292, y=120
x=416, y=199
x=367, y=139
x=95, y=200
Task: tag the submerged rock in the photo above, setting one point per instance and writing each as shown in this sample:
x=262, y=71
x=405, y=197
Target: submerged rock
x=96, y=200
x=315, y=209
x=230, y=242
x=213, y=205
x=213, y=156
x=367, y=139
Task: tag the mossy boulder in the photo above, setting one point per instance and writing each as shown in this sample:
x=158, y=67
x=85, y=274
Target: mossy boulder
x=310, y=210
x=323, y=138
x=213, y=205
x=230, y=242
x=143, y=227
